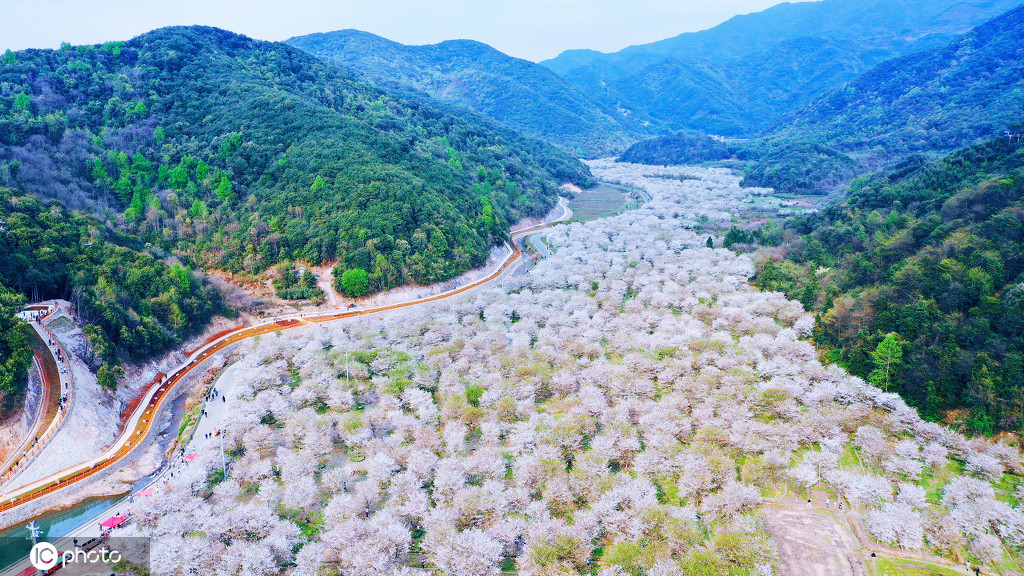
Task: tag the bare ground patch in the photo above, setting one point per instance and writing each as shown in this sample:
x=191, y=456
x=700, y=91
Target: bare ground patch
x=813, y=543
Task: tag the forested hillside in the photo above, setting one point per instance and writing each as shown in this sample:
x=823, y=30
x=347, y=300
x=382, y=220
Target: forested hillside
x=935, y=100
x=133, y=305
x=522, y=95
x=918, y=283
x=930, y=102
x=739, y=77
x=15, y=352
x=793, y=165
x=683, y=147
x=236, y=154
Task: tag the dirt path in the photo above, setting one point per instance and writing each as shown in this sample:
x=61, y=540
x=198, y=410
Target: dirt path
x=813, y=543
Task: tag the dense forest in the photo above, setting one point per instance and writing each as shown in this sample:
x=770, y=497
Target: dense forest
x=132, y=304
x=794, y=166
x=683, y=147
x=15, y=352
x=918, y=283
x=238, y=154
x=518, y=93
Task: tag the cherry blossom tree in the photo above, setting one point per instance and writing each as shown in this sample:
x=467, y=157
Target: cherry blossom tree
x=897, y=524
x=467, y=553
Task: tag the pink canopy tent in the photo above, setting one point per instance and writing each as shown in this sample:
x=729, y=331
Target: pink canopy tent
x=191, y=457
x=113, y=521
x=146, y=492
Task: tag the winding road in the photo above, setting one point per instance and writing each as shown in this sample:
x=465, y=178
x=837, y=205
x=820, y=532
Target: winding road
x=50, y=361
x=141, y=422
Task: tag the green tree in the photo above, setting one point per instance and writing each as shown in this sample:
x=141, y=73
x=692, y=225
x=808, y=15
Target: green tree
x=139, y=110
x=356, y=282
x=108, y=375
x=308, y=279
x=473, y=394
x=22, y=102
x=113, y=47
x=288, y=276
x=202, y=170
x=711, y=242
x=99, y=170
x=888, y=358
x=225, y=190
x=318, y=183
x=99, y=342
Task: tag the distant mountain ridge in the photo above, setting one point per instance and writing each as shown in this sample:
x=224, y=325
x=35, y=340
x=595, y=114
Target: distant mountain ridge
x=739, y=77
x=941, y=99
x=929, y=102
x=515, y=92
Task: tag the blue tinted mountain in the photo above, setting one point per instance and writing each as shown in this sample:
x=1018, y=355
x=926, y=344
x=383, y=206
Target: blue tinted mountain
x=968, y=90
x=741, y=76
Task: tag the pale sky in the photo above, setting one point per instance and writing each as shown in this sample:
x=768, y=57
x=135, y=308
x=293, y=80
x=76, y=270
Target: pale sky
x=531, y=29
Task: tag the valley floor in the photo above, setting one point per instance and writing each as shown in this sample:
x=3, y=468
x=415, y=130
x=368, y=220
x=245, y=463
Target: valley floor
x=630, y=406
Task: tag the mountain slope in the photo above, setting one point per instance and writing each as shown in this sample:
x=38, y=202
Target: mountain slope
x=929, y=257
x=970, y=89
x=518, y=93
x=134, y=304
x=930, y=102
x=738, y=77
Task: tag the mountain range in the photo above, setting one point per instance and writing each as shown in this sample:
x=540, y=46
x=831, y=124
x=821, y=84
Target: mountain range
x=740, y=77
x=518, y=93
x=936, y=100
x=930, y=102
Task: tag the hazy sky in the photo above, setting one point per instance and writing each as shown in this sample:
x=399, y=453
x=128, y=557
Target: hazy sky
x=531, y=29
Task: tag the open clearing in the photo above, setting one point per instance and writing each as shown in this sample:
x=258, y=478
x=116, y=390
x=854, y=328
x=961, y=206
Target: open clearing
x=599, y=202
